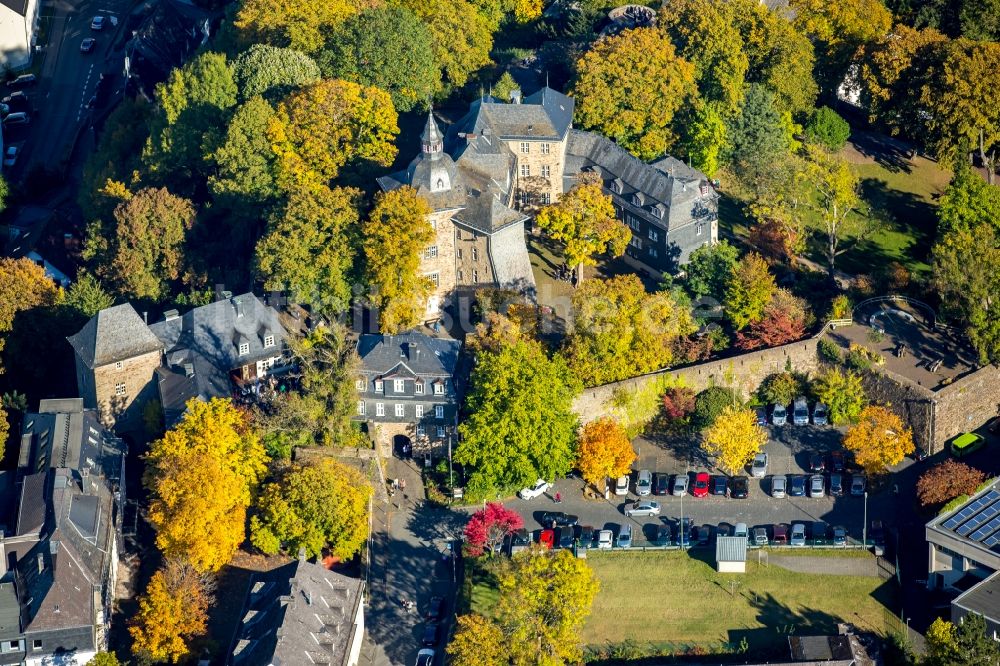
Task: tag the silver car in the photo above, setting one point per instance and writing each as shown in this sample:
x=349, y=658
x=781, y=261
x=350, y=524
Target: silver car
x=680, y=485
x=779, y=415
x=758, y=469
x=643, y=508
x=798, y=534
x=643, y=483
x=779, y=485
x=819, y=414
x=625, y=536
x=817, y=486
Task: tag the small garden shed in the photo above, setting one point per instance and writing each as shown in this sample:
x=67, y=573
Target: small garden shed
x=731, y=554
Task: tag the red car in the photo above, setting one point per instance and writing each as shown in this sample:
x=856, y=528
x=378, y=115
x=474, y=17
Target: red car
x=547, y=538
x=700, y=488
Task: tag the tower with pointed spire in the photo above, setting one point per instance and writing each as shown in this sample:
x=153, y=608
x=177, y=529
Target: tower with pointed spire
x=431, y=140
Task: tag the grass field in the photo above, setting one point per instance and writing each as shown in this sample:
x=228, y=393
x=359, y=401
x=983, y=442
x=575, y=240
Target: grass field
x=676, y=598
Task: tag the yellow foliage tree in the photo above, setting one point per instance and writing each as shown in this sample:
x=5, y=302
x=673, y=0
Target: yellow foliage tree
x=604, y=451
x=879, y=440
x=172, y=612
x=478, y=641
x=299, y=24
x=23, y=285
x=734, y=438
x=214, y=451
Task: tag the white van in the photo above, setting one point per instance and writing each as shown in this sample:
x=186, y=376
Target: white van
x=800, y=411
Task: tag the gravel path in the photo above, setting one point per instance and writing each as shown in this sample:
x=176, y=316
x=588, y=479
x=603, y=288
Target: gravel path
x=835, y=566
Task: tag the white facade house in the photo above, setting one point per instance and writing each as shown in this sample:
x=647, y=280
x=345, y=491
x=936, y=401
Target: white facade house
x=18, y=29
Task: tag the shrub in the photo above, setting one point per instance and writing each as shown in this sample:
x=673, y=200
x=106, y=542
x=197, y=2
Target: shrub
x=946, y=481
x=829, y=351
x=781, y=388
x=828, y=129
x=840, y=307
x=857, y=359
x=709, y=404
x=842, y=393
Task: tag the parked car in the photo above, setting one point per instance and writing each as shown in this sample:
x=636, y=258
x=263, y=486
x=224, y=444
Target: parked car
x=567, y=535
x=558, y=519
x=661, y=486
x=758, y=468
x=604, y=539
x=684, y=530
x=680, y=485
x=739, y=487
x=817, y=486
x=87, y=45
x=540, y=488
x=547, y=538
x=723, y=530
x=23, y=81
x=780, y=535
x=837, y=461
x=625, y=536
x=425, y=657
x=965, y=444
x=97, y=23
x=778, y=486
x=621, y=485
x=819, y=414
x=796, y=485
x=643, y=508
x=836, y=484
x=798, y=537
x=800, y=411
x=436, y=608
x=760, y=536
x=19, y=118
x=585, y=535
x=17, y=99
x=720, y=485
x=857, y=485
x=432, y=632
x=519, y=540
x=877, y=537
x=700, y=488
x=839, y=536
x=702, y=535
x=817, y=464
x=643, y=482
x=10, y=156
x=663, y=535
x=741, y=530
x=820, y=531
x=779, y=415
x=761, y=413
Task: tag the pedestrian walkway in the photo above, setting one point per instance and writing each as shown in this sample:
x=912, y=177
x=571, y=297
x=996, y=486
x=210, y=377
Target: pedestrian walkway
x=834, y=566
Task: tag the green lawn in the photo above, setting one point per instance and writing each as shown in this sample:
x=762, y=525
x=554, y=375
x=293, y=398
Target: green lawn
x=675, y=598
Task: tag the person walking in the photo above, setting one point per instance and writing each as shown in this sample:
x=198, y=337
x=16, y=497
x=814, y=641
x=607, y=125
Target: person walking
x=558, y=498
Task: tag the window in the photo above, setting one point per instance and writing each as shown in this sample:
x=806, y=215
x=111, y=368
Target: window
x=361, y=385
x=435, y=278
x=440, y=432
x=545, y=149
x=635, y=242
x=700, y=227
x=244, y=348
x=654, y=235
x=460, y=278
x=398, y=386
x=120, y=388
x=475, y=277
x=119, y=365
x=458, y=253
x=419, y=411
x=36, y=644
x=546, y=198
x=439, y=411
x=475, y=254
x=633, y=222
x=546, y=171
x=378, y=385
x=400, y=410
x=361, y=407
x=418, y=387
x=420, y=431
x=431, y=252
x=434, y=225
x=525, y=147
x=657, y=211
x=525, y=171
x=438, y=388
x=653, y=252
x=268, y=340
x=379, y=409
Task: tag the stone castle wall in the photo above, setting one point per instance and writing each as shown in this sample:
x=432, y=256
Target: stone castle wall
x=138, y=375
x=966, y=404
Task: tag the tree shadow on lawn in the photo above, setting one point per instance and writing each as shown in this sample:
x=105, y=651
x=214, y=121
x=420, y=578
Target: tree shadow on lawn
x=909, y=214
x=891, y=154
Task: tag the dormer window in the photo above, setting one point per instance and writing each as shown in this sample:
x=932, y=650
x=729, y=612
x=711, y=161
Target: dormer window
x=657, y=212
x=637, y=199
x=268, y=340
x=418, y=387
x=398, y=385
x=378, y=385
x=244, y=348
x=360, y=385
x=616, y=186
x=438, y=388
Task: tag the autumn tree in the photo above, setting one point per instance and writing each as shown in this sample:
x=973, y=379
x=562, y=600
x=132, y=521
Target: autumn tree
x=394, y=238
x=965, y=644
x=604, y=451
x=296, y=24
x=497, y=331
x=461, y=38
x=321, y=127
x=735, y=438
x=505, y=86
x=843, y=394
x=104, y=659
x=316, y=506
x=781, y=388
x=488, y=527
x=584, y=221
x=520, y=424
x=213, y=449
x=629, y=87
x=172, y=612
x=879, y=439
x=272, y=72
x=307, y=250
x=749, y=290
x=942, y=647
x=946, y=481
x=4, y=430
x=784, y=320
x=478, y=641
x=678, y=403
x=23, y=285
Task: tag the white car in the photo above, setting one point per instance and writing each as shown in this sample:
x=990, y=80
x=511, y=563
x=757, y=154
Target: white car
x=779, y=485
x=604, y=539
x=817, y=486
x=97, y=23
x=643, y=508
x=741, y=530
x=621, y=485
x=819, y=414
x=800, y=411
x=798, y=534
x=680, y=485
x=643, y=483
x=540, y=488
x=758, y=469
x=779, y=415
x=425, y=657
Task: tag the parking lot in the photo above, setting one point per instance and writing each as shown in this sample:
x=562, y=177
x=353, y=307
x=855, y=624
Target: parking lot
x=789, y=449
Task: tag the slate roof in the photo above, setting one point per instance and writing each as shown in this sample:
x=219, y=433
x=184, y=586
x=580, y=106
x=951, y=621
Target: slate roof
x=113, y=334
x=546, y=114
x=511, y=264
x=420, y=354
x=299, y=613
x=19, y=7
x=983, y=598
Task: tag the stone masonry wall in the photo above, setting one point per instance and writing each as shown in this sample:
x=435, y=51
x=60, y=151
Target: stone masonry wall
x=907, y=399
x=966, y=404
x=137, y=374
x=746, y=371
x=535, y=160
x=441, y=263
x=471, y=258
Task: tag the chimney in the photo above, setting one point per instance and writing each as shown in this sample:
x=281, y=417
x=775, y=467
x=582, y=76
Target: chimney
x=302, y=554
x=170, y=315
x=189, y=369
x=145, y=317
x=53, y=552
x=515, y=96
x=240, y=307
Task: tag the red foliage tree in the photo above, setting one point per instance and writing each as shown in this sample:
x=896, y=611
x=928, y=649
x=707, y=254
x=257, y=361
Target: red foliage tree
x=678, y=403
x=785, y=320
x=946, y=481
x=487, y=528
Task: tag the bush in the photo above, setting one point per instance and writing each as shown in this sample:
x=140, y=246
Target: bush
x=781, y=388
x=709, y=404
x=829, y=351
x=828, y=129
x=946, y=481
x=858, y=360
x=840, y=307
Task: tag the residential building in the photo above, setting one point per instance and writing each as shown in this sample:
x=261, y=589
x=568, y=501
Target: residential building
x=18, y=30
x=60, y=545
x=406, y=390
x=300, y=613
x=209, y=352
x=982, y=599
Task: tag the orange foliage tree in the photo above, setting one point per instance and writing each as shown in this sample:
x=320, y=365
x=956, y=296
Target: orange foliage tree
x=604, y=451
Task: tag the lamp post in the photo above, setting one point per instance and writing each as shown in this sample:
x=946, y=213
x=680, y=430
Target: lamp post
x=864, y=525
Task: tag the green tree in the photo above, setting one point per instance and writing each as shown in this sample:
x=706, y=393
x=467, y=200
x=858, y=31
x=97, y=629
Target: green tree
x=388, y=48
x=104, y=659
x=828, y=129
x=749, y=289
x=307, y=250
x=709, y=268
x=584, y=221
x=704, y=34
x=460, y=36
x=980, y=19
x=620, y=330
x=505, y=87
x=520, y=424
x=711, y=402
x=704, y=139
x=968, y=203
x=245, y=162
x=843, y=394
x=630, y=86
x=116, y=158
x=272, y=72
x=756, y=135
x=781, y=388
x=394, y=237
x=975, y=646
x=314, y=506
x=323, y=126
x=297, y=24
x=87, y=296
